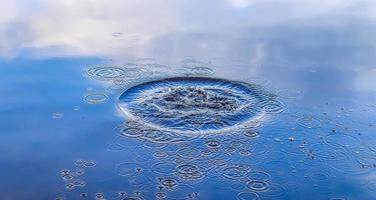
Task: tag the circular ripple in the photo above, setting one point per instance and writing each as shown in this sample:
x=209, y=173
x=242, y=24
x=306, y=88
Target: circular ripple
x=129, y=169
x=344, y=140
x=247, y=196
x=95, y=98
x=106, y=73
x=309, y=121
x=235, y=172
x=163, y=168
x=213, y=143
x=259, y=175
x=271, y=106
x=197, y=104
x=250, y=133
x=189, y=172
x=327, y=152
x=258, y=185
x=275, y=191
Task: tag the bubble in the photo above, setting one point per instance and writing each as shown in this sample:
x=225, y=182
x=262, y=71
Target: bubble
x=248, y=196
x=106, y=73
x=193, y=105
x=95, y=98
x=258, y=185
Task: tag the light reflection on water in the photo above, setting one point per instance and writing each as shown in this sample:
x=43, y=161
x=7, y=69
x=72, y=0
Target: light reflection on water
x=63, y=136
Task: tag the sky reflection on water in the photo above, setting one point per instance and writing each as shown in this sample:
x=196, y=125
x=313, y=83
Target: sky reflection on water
x=316, y=56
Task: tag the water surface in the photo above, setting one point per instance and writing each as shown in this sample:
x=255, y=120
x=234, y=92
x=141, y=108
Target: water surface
x=188, y=100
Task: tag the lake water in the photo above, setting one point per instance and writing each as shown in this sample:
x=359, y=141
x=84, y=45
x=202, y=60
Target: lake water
x=205, y=100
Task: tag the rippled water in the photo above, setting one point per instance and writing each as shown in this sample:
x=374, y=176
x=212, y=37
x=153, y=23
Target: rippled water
x=191, y=134
x=196, y=105
x=236, y=101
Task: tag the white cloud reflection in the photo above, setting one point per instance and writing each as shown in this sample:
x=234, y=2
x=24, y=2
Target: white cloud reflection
x=86, y=27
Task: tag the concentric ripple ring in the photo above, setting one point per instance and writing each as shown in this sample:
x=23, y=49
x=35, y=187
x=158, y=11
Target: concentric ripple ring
x=195, y=105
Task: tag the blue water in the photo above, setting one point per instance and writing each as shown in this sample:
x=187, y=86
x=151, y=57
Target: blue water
x=240, y=100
